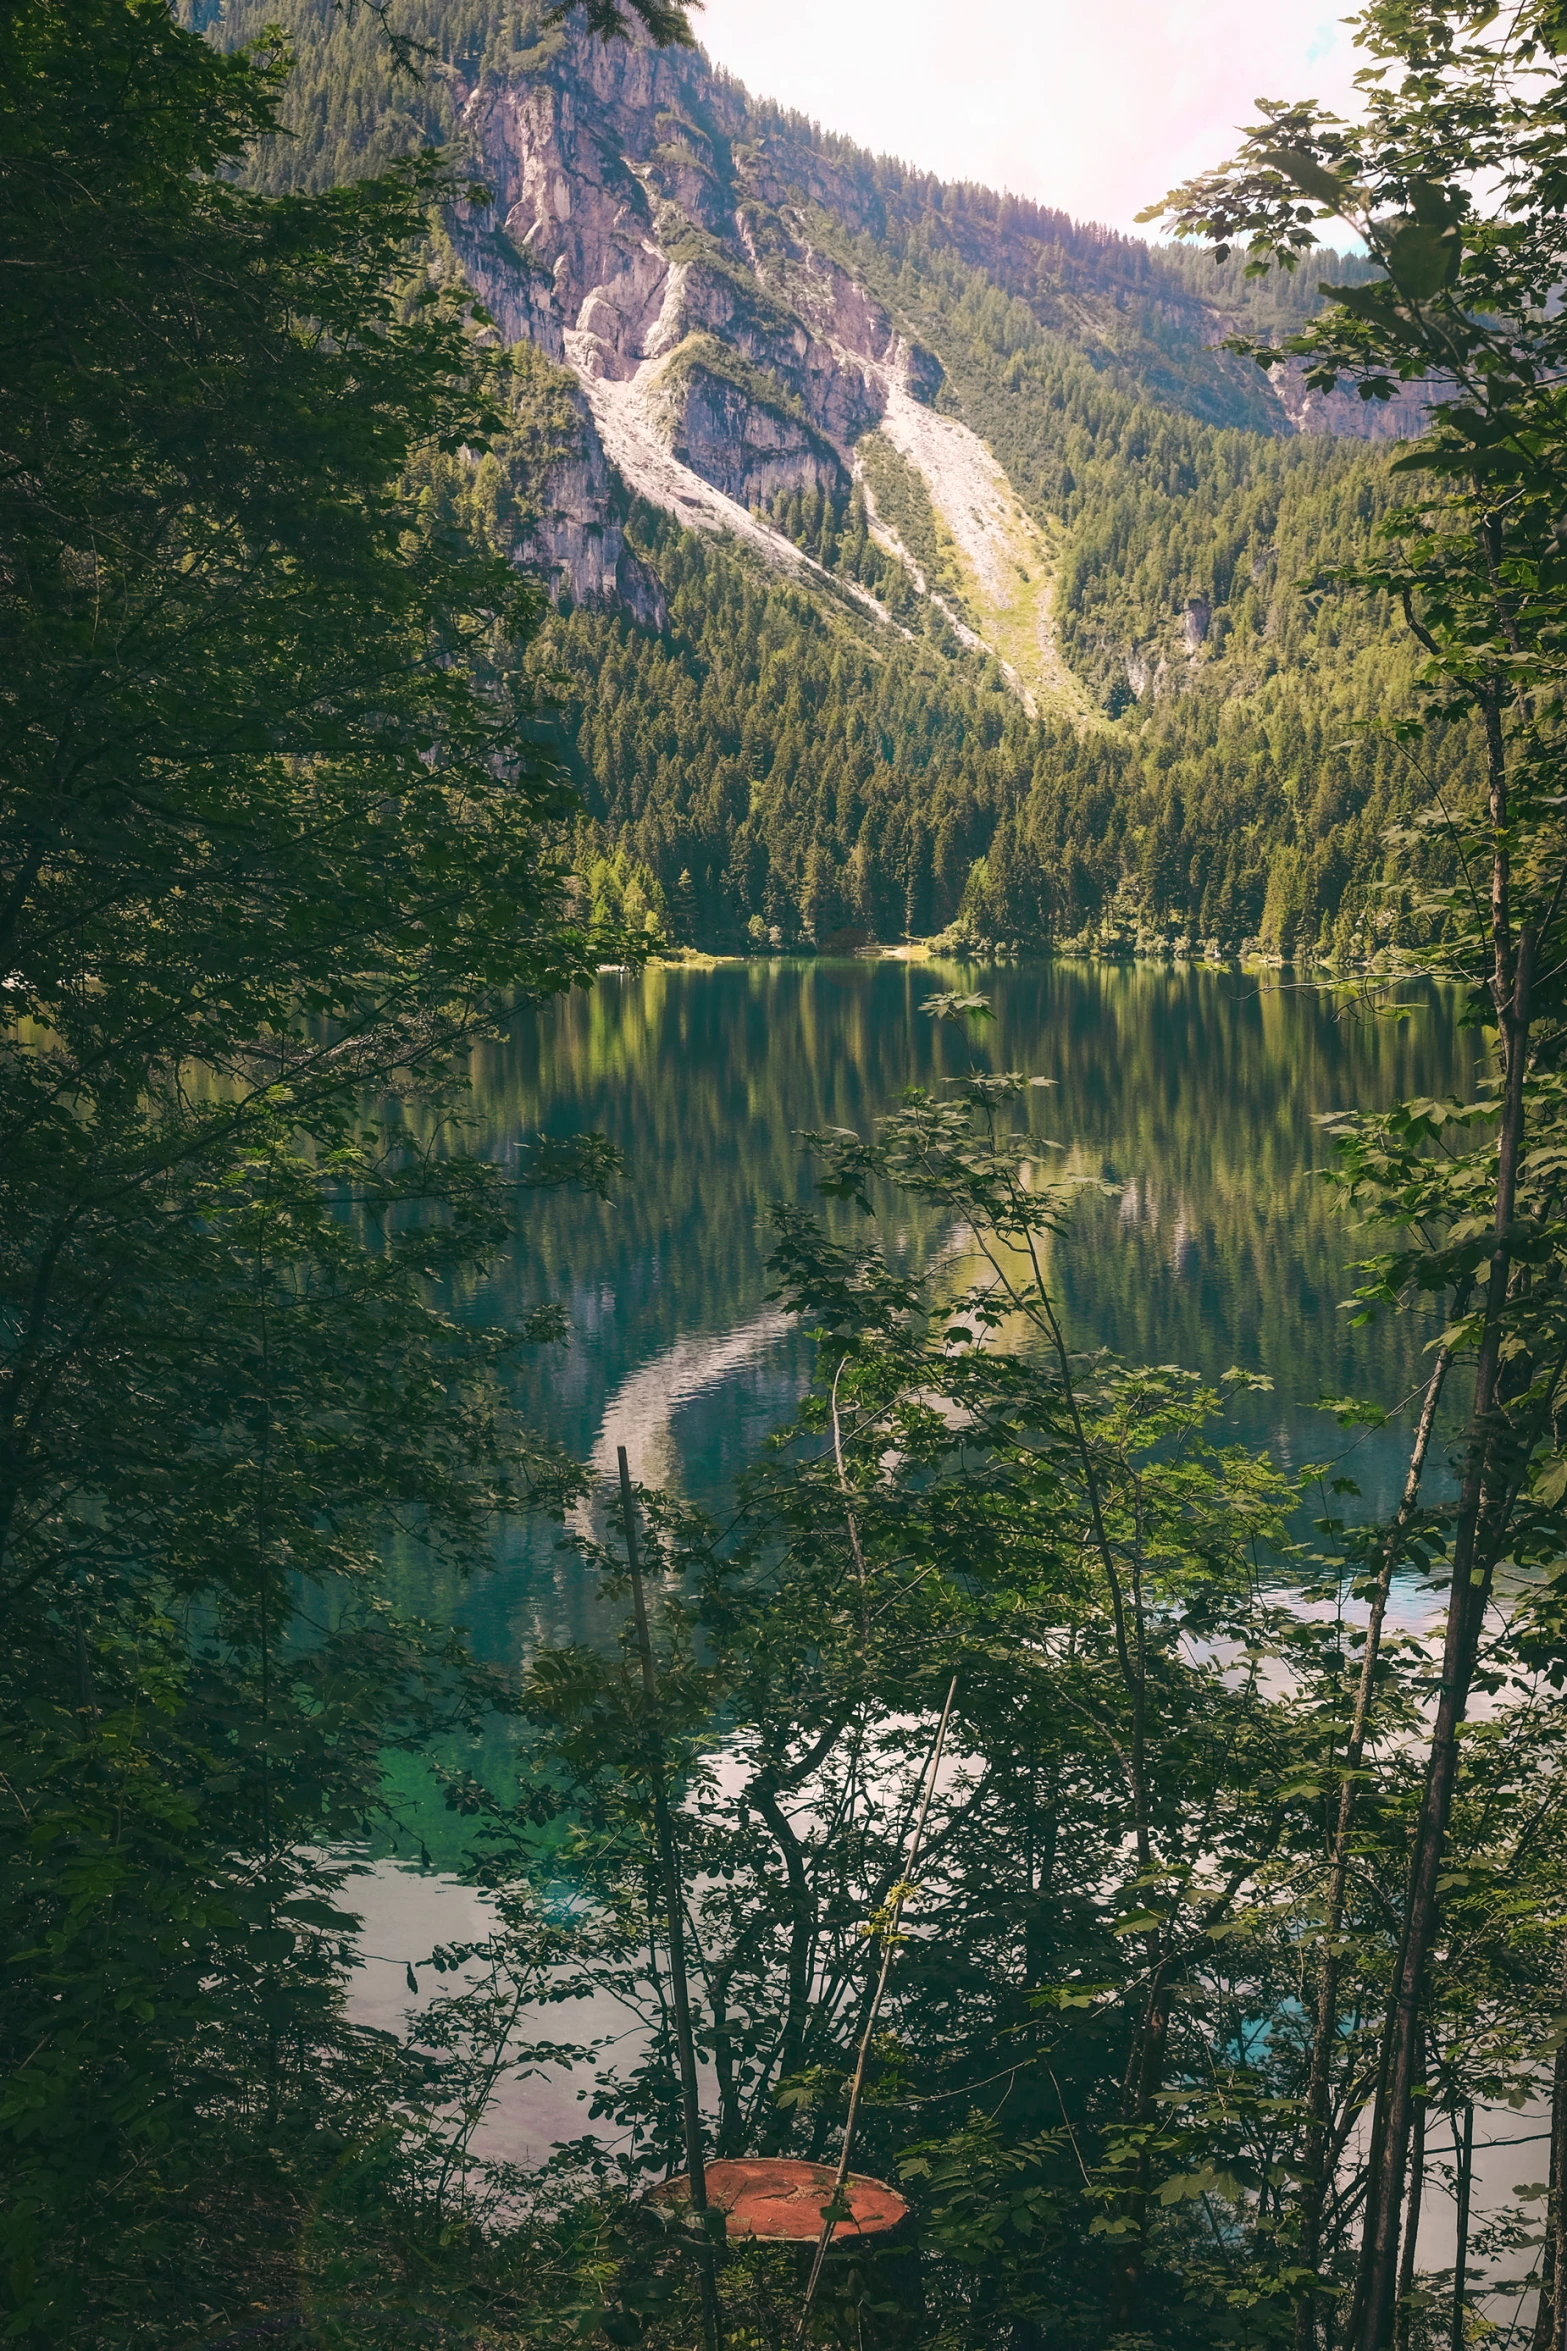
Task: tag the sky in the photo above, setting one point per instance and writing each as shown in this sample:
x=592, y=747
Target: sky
x=1095, y=107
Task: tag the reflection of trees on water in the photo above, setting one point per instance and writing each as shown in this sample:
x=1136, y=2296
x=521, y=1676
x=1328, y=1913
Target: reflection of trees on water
x=1201, y=1093
x=1192, y=1092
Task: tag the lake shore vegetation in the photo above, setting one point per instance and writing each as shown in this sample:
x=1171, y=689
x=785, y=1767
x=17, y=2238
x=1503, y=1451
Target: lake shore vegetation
x=1227, y=1888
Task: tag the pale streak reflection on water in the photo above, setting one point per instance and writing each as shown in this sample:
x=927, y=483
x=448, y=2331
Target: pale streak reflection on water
x=1186, y=1098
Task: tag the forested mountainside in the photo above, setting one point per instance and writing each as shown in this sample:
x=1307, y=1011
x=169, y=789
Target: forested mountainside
x=917, y=557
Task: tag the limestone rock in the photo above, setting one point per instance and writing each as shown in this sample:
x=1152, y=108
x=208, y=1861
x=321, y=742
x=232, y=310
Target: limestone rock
x=688, y=255
x=578, y=542
x=637, y=236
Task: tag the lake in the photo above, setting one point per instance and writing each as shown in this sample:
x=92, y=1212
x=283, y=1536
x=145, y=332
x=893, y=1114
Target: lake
x=1192, y=1091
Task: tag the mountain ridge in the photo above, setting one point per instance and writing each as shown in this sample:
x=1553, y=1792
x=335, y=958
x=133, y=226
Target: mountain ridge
x=967, y=448
x=652, y=229
x=644, y=202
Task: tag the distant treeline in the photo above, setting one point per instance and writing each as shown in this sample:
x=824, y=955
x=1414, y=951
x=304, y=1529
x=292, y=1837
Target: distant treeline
x=770, y=765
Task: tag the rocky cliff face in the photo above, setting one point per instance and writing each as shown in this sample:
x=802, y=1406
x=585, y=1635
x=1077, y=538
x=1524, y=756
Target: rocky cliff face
x=651, y=232
x=640, y=239
x=1345, y=413
x=661, y=238
x=578, y=541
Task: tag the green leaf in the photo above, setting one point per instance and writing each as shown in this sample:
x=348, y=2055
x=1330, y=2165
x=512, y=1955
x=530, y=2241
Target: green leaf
x=1551, y=1483
x=952, y=1006
x=1137, y=1922
x=1424, y=260
x=322, y=1914
x=1310, y=176
x=1434, y=206
x=1376, y=304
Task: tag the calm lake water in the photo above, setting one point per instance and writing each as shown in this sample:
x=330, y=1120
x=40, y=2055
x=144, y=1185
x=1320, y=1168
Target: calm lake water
x=1193, y=1091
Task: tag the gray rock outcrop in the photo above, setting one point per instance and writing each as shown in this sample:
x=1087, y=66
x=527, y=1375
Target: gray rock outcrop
x=638, y=237
x=688, y=255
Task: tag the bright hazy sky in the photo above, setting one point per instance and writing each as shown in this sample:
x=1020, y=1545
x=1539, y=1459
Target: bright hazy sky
x=1093, y=106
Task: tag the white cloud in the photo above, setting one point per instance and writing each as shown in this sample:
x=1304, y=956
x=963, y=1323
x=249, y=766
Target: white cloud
x=1093, y=106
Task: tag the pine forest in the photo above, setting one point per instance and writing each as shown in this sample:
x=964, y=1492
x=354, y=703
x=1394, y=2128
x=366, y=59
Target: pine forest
x=783, y=1204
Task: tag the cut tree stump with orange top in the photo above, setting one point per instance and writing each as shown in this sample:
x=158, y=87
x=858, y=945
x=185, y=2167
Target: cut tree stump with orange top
x=775, y=2200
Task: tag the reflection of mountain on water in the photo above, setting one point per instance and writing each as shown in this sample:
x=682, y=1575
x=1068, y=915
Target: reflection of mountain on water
x=641, y=1412
x=1190, y=1094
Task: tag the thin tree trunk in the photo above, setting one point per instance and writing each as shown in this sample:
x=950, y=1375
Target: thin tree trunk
x=1406, y=2259
x=890, y=1939
x=847, y=1491
x=1146, y=2082
x=1045, y=1318
x=764, y=1792
x=1550, y=2323
x=802, y=1938
x=674, y=1919
x=1479, y=1538
x=1464, y=2156
x=730, y=2136
x=1319, y=2094
x=1376, y=2285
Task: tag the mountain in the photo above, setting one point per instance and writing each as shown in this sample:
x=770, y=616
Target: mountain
x=918, y=557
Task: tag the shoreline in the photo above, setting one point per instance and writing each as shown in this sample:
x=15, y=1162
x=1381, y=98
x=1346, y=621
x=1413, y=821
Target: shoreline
x=939, y=950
